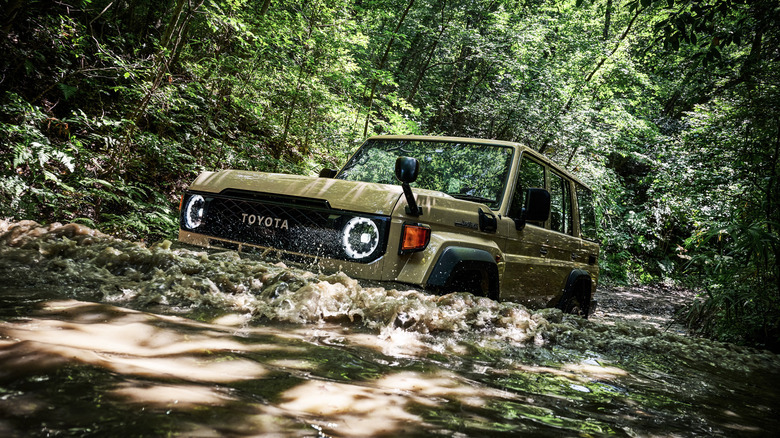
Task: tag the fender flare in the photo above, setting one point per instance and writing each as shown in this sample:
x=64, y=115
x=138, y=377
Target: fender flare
x=456, y=259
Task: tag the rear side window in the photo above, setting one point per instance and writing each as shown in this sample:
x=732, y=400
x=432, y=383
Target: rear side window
x=588, y=226
x=560, y=204
x=530, y=174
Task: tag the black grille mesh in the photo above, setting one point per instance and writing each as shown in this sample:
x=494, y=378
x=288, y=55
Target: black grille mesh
x=285, y=226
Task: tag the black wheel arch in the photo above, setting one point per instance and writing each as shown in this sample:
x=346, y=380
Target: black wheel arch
x=457, y=263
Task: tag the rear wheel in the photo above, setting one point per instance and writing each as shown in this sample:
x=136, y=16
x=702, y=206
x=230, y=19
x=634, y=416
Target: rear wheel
x=576, y=298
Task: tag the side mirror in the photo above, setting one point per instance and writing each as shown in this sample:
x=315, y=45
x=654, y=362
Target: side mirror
x=537, y=207
x=328, y=173
x=406, y=170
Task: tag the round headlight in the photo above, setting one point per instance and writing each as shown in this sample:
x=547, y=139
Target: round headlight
x=360, y=237
x=194, y=210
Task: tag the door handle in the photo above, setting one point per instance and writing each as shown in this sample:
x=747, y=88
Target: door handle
x=543, y=251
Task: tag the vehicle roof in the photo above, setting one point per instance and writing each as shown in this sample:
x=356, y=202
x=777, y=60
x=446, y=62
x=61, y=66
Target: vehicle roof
x=517, y=146
x=449, y=139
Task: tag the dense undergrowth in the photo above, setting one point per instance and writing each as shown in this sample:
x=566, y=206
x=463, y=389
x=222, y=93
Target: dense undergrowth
x=108, y=109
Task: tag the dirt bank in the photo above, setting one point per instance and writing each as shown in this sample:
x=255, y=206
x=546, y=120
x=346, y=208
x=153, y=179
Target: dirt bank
x=654, y=305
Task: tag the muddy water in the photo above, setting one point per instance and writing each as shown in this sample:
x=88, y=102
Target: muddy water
x=104, y=337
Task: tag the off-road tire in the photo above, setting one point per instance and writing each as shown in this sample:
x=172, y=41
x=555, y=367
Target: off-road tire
x=576, y=299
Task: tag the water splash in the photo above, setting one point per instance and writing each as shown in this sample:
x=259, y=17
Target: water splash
x=86, y=264
x=257, y=339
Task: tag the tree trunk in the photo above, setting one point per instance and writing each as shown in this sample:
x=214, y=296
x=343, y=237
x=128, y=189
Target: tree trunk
x=567, y=106
x=607, y=19
x=12, y=9
x=264, y=9
x=382, y=61
x=424, y=68
x=174, y=34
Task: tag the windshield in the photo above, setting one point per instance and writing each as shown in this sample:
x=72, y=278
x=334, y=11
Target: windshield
x=475, y=172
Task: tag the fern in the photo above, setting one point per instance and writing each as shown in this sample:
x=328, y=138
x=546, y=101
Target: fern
x=34, y=165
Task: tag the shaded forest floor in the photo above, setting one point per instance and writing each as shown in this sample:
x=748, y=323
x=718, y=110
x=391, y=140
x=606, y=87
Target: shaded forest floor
x=655, y=305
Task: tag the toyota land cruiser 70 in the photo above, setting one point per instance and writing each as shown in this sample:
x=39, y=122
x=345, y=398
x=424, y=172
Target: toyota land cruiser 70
x=446, y=214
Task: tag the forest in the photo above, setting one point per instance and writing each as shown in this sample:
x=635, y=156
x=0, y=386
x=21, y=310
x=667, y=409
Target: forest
x=668, y=109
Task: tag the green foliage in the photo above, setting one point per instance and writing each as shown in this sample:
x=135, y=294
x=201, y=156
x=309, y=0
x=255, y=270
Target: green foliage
x=35, y=166
x=735, y=246
x=719, y=174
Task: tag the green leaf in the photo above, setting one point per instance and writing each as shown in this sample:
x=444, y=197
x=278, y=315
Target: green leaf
x=67, y=90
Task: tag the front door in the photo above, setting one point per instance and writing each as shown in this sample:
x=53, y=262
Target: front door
x=540, y=256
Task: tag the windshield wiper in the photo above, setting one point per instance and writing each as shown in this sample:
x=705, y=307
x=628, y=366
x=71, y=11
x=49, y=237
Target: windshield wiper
x=472, y=198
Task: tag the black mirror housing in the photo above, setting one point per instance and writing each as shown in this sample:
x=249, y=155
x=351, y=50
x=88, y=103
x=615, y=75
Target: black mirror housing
x=407, y=169
x=537, y=207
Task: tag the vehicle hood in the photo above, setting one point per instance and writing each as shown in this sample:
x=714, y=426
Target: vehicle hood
x=343, y=195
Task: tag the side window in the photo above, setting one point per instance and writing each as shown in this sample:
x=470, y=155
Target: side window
x=530, y=174
x=560, y=204
x=587, y=213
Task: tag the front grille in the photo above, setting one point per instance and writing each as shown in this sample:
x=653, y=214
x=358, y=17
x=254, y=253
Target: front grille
x=294, y=225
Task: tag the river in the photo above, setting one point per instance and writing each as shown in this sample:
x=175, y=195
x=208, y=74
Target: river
x=106, y=337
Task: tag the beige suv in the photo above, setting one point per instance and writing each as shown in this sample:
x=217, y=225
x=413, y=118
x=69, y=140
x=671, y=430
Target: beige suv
x=446, y=214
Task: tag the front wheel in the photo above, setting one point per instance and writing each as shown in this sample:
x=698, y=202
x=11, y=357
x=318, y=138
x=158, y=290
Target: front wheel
x=473, y=281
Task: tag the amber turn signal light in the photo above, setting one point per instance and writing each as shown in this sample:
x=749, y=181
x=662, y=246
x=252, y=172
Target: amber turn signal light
x=414, y=237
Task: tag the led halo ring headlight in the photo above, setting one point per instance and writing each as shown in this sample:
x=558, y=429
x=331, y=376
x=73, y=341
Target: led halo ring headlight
x=194, y=211
x=360, y=238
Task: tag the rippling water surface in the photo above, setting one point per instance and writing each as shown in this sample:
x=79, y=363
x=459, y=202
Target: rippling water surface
x=104, y=337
